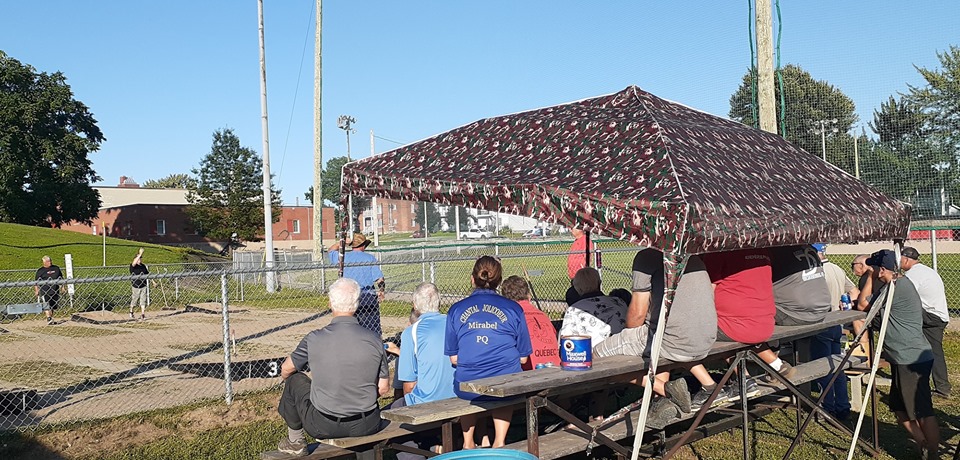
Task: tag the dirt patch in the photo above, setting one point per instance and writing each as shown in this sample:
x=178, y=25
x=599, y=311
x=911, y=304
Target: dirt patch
x=46, y=374
x=89, y=441
x=76, y=331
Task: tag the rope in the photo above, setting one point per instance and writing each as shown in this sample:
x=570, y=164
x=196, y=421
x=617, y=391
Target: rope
x=779, y=73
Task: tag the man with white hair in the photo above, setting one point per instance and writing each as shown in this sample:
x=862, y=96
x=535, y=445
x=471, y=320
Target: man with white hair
x=341, y=400
x=48, y=295
x=426, y=372
x=936, y=316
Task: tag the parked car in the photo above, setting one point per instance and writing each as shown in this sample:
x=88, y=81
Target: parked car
x=475, y=234
x=535, y=233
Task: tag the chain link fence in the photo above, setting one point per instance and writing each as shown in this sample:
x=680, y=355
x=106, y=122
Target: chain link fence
x=214, y=330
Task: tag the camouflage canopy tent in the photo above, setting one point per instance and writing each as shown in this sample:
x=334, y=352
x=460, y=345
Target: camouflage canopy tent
x=631, y=165
x=634, y=166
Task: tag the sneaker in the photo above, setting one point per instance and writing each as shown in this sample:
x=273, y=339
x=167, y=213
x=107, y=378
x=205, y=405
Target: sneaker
x=941, y=394
x=131, y=315
x=297, y=449
x=700, y=398
x=662, y=412
x=786, y=370
x=49, y=320
x=733, y=389
x=142, y=316
x=678, y=392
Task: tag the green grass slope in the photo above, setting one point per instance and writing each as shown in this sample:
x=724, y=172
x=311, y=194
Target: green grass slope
x=22, y=247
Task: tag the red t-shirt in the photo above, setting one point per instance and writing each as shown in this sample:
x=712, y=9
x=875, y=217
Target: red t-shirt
x=578, y=257
x=543, y=337
x=743, y=294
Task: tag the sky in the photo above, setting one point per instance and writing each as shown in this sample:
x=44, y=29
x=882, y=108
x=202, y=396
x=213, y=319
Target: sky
x=161, y=77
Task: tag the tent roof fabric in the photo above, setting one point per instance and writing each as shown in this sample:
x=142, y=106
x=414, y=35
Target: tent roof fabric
x=634, y=166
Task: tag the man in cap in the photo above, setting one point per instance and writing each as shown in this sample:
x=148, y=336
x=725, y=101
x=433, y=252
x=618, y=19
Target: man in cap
x=905, y=348
x=363, y=268
x=826, y=343
x=935, y=314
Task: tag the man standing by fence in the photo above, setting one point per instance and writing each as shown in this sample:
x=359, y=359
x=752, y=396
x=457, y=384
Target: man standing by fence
x=362, y=267
x=138, y=286
x=935, y=313
x=48, y=295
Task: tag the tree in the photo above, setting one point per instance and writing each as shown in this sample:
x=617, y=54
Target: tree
x=330, y=181
x=433, y=217
x=940, y=97
x=465, y=218
x=807, y=101
x=228, y=196
x=45, y=138
x=171, y=181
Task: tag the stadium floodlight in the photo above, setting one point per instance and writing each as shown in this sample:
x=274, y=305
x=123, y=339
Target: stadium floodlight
x=822, y=128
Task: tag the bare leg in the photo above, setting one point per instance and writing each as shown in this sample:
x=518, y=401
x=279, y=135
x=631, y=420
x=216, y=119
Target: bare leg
x=931, y=432
x=501, y=423
x=702, y=375
x=913, y=427
x=767, y=355
x=468, y=424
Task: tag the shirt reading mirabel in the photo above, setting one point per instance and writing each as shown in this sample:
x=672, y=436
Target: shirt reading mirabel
x=470, y=311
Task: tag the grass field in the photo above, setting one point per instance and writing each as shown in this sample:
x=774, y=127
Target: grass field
x=21, y=247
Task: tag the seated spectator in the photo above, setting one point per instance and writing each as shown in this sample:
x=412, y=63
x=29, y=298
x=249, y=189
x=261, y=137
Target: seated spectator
x=622, y=294
x=486, y=336
x=543, y=336
x=800, y=294
x=426, y=373
x=595, y=315
x=906, y=349
x=342, y=402
x=688, y=335
x=743, y=294
x=826, y=343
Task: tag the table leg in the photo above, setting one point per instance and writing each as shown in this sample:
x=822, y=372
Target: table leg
x=533, y=421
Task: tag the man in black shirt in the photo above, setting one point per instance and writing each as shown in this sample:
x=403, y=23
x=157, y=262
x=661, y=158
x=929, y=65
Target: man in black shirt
x=48, y=295
x=139, y=286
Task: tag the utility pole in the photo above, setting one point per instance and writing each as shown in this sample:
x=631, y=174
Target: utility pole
x=824, y=126
x=345, y=122
x=456, y=213
x=267, y=199
x=426, y=233
x=376, y=212
x=765, y=93
x=317, y=143
x=856, y=156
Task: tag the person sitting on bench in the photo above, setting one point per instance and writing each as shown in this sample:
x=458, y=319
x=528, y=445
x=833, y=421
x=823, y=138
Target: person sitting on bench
x=595, y=315
x=800, y=293
x=688, y=335
x=349, y=370
x=543, y=336
x=486, y=336
x=427, y=374
x=907, y=350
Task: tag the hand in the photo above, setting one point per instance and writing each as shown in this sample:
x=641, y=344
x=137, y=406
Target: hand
x=392, y=348
x=381, y=295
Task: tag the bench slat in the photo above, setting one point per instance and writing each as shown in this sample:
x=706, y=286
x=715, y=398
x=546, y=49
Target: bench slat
x=603, y=368
x=566, y=442
x=446, y=409
x=391, y=431
x=24, y=309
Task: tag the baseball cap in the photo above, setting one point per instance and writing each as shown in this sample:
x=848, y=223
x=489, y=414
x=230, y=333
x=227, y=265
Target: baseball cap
x=910, y=252
x=820, y=247
x=883, y=258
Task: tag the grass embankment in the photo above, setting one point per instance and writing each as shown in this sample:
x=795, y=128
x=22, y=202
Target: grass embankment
x=22, y=246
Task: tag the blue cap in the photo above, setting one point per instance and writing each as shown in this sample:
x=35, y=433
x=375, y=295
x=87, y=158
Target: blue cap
x=820, y=247
x=884, y=258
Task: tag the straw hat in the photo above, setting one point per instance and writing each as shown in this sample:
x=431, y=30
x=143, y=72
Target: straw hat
x=359, y=241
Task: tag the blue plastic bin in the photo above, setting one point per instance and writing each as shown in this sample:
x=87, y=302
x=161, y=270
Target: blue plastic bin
x=478, y=454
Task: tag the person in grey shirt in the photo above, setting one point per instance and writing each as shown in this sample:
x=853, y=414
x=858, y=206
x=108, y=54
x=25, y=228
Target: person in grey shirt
x=341, y=401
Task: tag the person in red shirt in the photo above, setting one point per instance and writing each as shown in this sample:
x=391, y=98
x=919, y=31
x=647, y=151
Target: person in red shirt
x=743, y=294
x=543, y=336
x=578, y=257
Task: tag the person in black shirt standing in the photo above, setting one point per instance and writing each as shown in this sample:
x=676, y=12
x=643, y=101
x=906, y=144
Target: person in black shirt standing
x=48, y=295
x=139, y=286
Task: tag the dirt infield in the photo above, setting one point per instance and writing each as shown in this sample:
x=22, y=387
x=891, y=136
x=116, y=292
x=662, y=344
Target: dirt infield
x=103, y=364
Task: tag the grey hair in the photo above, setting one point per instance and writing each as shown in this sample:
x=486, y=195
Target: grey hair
x=46, y=258
x=344, y=295
x=426, y=298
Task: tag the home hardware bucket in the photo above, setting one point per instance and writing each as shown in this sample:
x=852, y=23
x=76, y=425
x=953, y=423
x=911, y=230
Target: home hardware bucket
x=575, y=353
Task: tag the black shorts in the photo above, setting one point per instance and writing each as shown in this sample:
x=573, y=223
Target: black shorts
x=51, y=300
x=910, y=389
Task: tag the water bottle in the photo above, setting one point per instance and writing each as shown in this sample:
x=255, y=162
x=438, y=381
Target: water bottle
x=845, y=302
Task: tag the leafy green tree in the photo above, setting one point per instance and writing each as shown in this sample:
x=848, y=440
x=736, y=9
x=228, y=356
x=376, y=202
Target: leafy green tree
x=465, y=218
x=432, y=216
x=807, y=101
x=171, y=181
x=45, y=138
x=228, y=196
x=330, y=181
x=940, y=97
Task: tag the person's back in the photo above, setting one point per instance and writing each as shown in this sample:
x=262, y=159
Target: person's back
x=691, y=329
x=596, y=315
x=800, y=289
x=904, y=342
x=543, y=337
x=364, y=275
x=422, y=360
x=484, y=330
x=743, y=294
x=930, y=287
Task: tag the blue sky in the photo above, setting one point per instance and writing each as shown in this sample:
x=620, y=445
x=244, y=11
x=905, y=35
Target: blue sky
x=160, y=77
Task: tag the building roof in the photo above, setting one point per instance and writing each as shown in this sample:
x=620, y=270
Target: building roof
x=115, y=197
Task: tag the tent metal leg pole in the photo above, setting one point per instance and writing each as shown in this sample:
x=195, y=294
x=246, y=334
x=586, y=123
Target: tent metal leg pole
x=701, y=413
x=873, y=400
x=796, y=400
x=744, y=413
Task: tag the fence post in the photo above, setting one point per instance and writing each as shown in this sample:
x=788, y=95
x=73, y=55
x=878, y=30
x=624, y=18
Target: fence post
x=423, y=265
x=226, y=339
x=598, y=259
x=242, y=287
x=933, y=247
x=496, y=249
x=176, y=289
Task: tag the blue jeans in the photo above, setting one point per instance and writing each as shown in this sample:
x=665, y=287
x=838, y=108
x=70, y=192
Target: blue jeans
x=826, y=343
x=368, y=311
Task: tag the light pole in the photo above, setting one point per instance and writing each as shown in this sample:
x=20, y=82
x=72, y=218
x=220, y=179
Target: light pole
x=823, y=126
x=345, y=122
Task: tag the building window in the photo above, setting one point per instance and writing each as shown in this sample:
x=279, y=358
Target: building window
x=379, y=209
x=296, y=226
x=161, y=227
x=413, y=222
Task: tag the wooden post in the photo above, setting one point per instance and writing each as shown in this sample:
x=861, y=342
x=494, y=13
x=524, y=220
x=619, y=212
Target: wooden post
x=765, y=92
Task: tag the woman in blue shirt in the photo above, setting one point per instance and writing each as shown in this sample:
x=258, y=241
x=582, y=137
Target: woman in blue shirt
x=486, y=336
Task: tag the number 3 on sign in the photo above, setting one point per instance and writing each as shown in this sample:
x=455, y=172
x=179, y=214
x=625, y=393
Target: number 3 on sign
x=274, y=367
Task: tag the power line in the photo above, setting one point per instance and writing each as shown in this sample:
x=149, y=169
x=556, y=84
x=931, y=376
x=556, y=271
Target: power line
x=286, y=140
x=390, y=140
